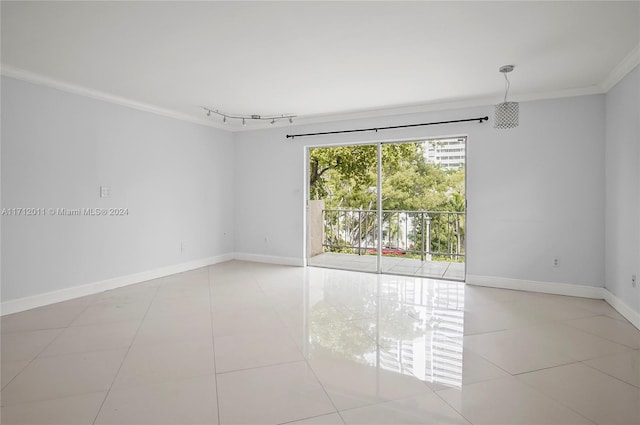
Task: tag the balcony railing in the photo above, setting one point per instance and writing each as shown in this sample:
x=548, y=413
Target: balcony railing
x=429, y=235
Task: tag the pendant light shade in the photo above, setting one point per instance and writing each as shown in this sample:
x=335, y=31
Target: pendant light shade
x=507, y=114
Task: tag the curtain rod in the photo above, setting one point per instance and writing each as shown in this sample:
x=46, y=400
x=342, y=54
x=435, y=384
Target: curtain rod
x=292, y=136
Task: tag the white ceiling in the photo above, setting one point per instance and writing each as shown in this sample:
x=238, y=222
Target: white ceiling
x=317, y=59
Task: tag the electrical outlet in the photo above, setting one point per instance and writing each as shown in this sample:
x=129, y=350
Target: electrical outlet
x=633, y=280
x=105, y=191
x=555, y=262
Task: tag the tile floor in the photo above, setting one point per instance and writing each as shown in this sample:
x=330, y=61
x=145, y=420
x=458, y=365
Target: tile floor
x=246, y=343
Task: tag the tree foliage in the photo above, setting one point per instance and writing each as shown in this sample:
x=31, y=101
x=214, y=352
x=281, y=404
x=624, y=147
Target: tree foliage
x=346, y=177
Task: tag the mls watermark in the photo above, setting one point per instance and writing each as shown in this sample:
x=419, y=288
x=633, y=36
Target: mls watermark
x=82, y=212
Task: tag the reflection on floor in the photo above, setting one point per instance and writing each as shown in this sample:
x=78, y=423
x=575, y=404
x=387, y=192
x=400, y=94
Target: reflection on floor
x=246, y=343
x=390, y=264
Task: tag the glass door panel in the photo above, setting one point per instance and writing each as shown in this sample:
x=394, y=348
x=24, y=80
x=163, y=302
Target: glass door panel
x=342, y=211
x=423, y=208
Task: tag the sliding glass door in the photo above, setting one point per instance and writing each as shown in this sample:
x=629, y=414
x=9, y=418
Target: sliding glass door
x=389, y=207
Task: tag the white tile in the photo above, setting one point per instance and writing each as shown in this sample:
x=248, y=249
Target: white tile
x=476, y=368
x=593, y=394
x=421, y=409
x=331, y=419
x=191, y=308
x=184, y=288
x=553, y=309
x=271, y=395
x=242, y=300
x=498, y=317
x=571, y=341
x=10, y=369
x=145, y=291
x=169, y=330
x=479, y=295
x=183, y=401
x=26, y=345
x=64, y=375
x=106, y=336
x=79, y=409
x=230, y=288
x=507, y=401
x=195, y=277
x=598, y=307
x=290, y=302
x=111, y=312
x=624, y=366
x=286, y=281
x=292, y=345
x=156, y=363
x=355, y=383
x=243, y=351
x=50, y=317
x=516, y=351
x=608, y=328
x=245, y=321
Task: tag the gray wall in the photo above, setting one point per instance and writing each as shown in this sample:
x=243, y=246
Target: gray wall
x=623, y=189
x=58, y=148
x=534, y=192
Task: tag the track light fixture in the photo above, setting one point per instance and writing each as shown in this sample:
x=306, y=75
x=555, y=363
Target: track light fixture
x=271, y=118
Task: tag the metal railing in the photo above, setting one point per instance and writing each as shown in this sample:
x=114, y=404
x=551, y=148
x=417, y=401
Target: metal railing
x=426, y=234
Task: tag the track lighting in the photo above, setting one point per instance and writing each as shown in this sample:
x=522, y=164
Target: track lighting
x=244, y=118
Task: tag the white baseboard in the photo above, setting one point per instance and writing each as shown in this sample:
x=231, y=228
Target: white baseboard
x=536, y=286
x=559, y=289
x=626, y=311
x=270, y=259
x=26, y=303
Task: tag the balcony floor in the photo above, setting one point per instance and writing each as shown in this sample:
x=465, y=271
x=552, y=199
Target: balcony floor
x=391, y=264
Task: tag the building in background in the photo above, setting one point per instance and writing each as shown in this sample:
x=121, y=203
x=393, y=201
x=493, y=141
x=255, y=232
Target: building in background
x=448, y=153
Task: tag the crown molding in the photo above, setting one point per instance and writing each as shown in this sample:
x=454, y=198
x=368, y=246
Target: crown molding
x=444, y=106
x=621, y=70
x=31, y=77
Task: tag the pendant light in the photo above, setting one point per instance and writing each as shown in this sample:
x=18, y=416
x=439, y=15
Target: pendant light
x=507, y=113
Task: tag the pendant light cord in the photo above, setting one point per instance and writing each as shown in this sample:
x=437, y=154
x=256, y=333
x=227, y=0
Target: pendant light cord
x=507, y=85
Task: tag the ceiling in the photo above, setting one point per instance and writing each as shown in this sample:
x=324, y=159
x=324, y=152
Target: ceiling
x=318, y=60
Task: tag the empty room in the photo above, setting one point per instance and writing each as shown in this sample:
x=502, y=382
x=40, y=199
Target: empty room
x=320, y=212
